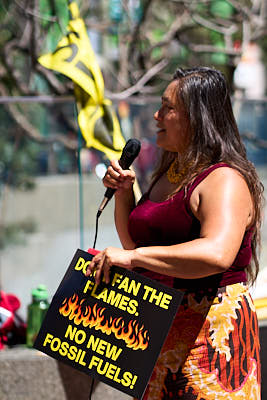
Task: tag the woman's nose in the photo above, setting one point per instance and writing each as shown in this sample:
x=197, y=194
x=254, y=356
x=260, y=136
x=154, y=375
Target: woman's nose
x=157, y=115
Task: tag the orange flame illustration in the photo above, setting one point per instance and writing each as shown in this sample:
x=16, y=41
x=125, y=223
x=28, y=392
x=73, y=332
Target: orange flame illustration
x=134, y=335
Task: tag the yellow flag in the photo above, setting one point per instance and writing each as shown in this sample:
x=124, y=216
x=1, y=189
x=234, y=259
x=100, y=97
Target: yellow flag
x=75, y=58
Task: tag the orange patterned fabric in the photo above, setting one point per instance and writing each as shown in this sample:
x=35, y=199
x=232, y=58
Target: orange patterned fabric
x=212, y=350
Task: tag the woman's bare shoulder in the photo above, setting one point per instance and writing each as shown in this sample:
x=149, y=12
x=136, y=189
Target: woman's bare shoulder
x=222, y=186
x=224, y=175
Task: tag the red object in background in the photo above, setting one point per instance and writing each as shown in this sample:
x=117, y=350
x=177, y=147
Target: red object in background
x=12, y=327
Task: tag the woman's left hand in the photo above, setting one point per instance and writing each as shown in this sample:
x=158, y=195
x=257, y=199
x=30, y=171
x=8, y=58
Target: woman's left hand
x=105, y=259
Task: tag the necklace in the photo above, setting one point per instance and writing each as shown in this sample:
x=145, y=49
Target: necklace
x=172, y=174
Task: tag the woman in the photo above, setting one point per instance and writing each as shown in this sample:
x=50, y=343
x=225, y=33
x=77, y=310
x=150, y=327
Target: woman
x=196, y=229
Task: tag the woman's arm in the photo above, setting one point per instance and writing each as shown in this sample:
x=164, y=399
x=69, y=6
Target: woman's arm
x=124, y=203
x=223, y=205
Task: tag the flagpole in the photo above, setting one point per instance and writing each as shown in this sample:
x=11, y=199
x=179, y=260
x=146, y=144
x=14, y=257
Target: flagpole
x=81, y=214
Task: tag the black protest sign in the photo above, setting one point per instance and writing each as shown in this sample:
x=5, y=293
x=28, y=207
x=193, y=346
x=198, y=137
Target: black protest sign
x=112, y=332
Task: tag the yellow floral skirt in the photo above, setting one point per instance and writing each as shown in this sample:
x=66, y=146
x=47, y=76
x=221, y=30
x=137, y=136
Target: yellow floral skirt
x=212, y=350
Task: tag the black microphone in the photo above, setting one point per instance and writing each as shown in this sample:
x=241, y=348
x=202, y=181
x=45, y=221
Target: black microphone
x=129, y=154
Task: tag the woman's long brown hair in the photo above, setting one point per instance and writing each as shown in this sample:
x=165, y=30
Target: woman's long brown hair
x=215, y=139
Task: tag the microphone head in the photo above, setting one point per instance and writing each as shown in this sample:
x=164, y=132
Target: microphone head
x=129, y=153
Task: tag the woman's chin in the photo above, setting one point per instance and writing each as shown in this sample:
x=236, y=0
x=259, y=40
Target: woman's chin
x=164, y=146
x=160, y=144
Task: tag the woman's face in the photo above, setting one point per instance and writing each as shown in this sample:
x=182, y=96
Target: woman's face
x=172, y=121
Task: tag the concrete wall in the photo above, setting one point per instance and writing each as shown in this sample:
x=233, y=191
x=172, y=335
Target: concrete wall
x=29, y=375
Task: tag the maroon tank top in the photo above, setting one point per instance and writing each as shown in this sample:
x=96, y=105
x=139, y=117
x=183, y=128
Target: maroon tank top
x=172, y=222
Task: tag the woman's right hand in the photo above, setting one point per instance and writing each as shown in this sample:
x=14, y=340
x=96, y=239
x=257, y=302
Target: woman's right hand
x=118, y=178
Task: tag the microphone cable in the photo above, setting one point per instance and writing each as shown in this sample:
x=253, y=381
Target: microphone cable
x=96, y=228
x=96, y=232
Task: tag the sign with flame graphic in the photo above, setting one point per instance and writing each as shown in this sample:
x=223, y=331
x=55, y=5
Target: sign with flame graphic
x=113, y=332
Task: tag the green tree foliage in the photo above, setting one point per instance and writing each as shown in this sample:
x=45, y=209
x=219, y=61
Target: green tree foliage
x=18, y=163
x=138, y=42
x=132, y=36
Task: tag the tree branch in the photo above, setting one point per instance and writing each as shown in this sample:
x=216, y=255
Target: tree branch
x=214, y=27
x=31, y=132
x=206, y=48
x=50, y=77
x=241, y=8
x=141, y=83
x=179, y=24
x=134, y=39
x=8, y=49
x=35, y=14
